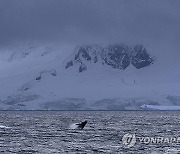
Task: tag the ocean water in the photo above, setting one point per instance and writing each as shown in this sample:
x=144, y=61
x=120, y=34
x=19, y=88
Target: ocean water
x=41, y=132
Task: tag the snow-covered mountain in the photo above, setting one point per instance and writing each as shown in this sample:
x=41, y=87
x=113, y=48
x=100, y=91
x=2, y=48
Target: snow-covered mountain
x=90, y=77
x=118, y=56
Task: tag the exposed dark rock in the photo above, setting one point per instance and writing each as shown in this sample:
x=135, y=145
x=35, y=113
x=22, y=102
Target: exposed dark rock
x=140, y=57
x=53, y=72
x=83, y=51
x=69, y=64
x=26, y=89
x=85, y=54
x=118, y=56
x=95, y=59
x=25, y=86
x=38, y=78
x=82, y=68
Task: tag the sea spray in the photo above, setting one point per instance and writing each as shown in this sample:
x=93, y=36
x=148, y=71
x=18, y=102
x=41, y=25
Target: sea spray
x=73, y=126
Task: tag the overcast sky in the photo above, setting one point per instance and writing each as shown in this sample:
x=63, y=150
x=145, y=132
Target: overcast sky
x=74, y=21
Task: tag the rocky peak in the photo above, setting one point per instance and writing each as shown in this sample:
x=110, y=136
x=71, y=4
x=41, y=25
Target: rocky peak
x=140, y=57
x=118, y=56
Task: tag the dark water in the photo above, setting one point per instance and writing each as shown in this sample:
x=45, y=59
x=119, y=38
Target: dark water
x=48, y=131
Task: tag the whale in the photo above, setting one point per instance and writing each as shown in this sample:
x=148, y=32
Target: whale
x=82, y=124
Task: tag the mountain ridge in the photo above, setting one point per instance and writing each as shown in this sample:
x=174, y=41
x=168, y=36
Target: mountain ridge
x=39, y=80
x=118, y=56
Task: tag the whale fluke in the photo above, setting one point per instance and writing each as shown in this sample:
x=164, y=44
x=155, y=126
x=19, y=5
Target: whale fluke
x=82, y=124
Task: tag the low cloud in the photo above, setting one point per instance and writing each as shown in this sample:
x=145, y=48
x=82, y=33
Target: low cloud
x=81, y=21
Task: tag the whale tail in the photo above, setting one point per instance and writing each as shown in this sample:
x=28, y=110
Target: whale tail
x=82, y=124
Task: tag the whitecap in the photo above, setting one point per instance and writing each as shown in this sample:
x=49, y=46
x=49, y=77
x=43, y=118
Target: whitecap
x=2, y=126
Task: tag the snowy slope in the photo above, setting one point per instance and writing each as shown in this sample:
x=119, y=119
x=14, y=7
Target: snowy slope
x=157, y=107
x=36, y=77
